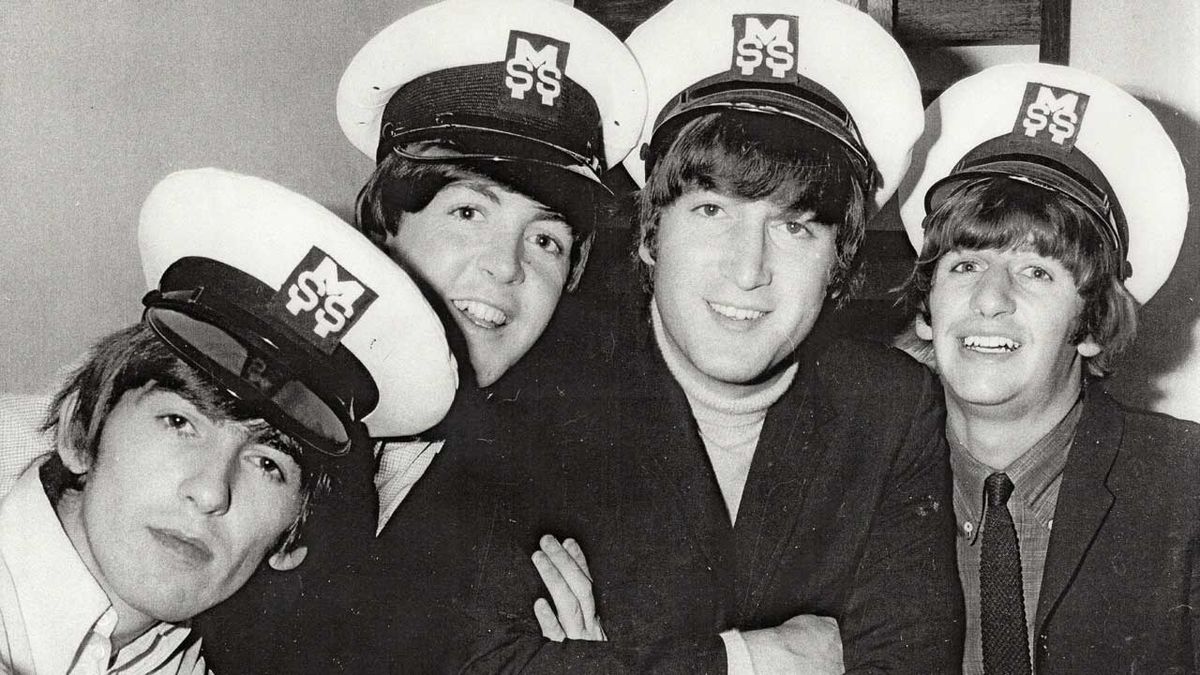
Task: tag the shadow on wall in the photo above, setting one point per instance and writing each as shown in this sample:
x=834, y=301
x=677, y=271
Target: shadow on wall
x=1165, y=330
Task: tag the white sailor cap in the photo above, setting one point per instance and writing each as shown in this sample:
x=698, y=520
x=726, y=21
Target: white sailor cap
x=534, y=90
x=1064, y=130
x=819, y=62
x=291, y=310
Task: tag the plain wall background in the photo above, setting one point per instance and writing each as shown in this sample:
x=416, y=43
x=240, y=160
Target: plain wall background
x=98, y=101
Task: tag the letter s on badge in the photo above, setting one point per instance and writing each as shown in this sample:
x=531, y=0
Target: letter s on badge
x=321, y=300
x=1056, y=112
x=535, y=62
x=765, y=47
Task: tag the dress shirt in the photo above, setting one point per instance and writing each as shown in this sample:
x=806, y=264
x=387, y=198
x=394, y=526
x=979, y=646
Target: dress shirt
x=400, y=465
x=1036, y=476
x=54, y=617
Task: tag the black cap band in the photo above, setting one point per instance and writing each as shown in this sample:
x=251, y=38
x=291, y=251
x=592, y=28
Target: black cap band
x=1071, y=174
x=804, y=101
x=472, y=106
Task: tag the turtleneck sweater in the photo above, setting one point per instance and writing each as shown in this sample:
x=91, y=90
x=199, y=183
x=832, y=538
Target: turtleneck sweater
x=730, y=418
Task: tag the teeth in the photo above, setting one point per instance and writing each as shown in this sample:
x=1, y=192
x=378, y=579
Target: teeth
x=736, y=313
x=990, y=343
x=481, y=314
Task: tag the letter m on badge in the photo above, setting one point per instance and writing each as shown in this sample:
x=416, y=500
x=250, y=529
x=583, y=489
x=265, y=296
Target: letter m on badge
x=1050, y=115
x=765, y=47
x=535, y=62
x=321, y=300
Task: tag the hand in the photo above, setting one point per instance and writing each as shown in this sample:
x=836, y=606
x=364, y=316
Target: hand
x=802, y=644
x=565, y=573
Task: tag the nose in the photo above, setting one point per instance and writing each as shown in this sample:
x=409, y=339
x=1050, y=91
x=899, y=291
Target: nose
x=993, y=293
x=745, y=260
x=208, y=484
x=502, y=258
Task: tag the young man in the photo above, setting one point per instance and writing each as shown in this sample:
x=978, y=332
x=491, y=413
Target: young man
x=1050, y=204
x=491, y=126
x=190, y=447
x=743, y=492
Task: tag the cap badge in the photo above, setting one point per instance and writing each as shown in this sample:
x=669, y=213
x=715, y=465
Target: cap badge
x=1051, y=115
x=765, y=47
x=321, y=300
x=535, y=62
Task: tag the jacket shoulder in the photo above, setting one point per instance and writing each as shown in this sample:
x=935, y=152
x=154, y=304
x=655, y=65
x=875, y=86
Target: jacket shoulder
x=854, y=369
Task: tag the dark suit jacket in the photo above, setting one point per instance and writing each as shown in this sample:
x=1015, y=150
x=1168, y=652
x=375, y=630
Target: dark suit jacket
x=846, y=513
x=1121, y=588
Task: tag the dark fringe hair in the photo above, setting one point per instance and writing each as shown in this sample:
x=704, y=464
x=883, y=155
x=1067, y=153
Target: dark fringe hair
x=745, y=156
x=1004, y=214
x=128, y=360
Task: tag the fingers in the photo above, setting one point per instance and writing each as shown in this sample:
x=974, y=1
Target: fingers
x=564, y=571
x=576, y=553
x=551, y=629
x=575, y=575
x=569, y=612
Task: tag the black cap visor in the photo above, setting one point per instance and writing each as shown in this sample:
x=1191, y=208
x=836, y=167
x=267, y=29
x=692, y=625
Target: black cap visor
x=553, y=176
x=315, y=398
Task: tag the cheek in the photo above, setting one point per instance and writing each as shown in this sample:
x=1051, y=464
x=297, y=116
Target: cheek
x=262, y=522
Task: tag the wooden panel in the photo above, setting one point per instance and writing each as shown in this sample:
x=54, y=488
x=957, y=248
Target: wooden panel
x=925, y=22
x=1056, y=31
x=883, y=11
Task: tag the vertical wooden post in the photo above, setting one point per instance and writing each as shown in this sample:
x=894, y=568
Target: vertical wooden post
x=1056, y=32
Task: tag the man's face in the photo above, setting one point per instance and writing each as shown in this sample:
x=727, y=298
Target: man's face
x=739, y=283
x=1001, y=324
x=497, y=258
x=177, y=509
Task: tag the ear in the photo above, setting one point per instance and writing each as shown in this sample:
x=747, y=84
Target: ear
x=1088, y=348
x=645, y=254
x=76, y=461
x=922, y=328
x=285, y=561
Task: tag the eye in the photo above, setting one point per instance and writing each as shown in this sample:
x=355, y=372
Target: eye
x=798, y=228
x=1038, y=273
x=708, y=210
x=466, y=213
x=270, y=468
x=965, y=267
x=547, y=243
x=177, y=423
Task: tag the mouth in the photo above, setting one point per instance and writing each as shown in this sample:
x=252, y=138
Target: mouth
x=481, y=314
x=190, y=549
x=990, y=344
x=736, y=313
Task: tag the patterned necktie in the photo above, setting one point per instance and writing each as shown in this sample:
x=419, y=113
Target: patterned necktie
x=1001, y=595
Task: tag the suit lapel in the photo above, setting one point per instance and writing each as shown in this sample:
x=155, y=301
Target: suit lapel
x=672, y=454
x=790, y=451
x=1084, y=499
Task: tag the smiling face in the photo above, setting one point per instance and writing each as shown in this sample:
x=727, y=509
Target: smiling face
x=738, y=282
x=1002, y=323
x=497, y=258
x=177, y=509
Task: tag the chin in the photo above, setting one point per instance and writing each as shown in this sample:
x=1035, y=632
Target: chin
x=732, y=370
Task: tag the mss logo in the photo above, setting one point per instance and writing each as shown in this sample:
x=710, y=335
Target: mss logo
x=535, y=62
x=1053, y=112
x=764, y=46
x=323, y=300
